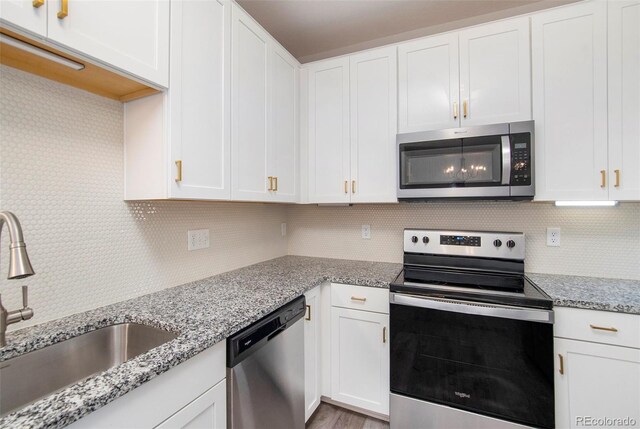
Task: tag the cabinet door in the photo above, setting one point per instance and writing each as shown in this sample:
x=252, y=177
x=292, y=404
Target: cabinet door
x=328, y=139
x=249, y=104
x=624, y=100
x=360, y=359
x=29, y=15
x=127, y=34
x=569, y=54
x=283, y=135
x=209, y=411
x=199, y=99
x=428, y=84
x=373, y=103
x=312, y=356
x=597, y=381
x=495, y=76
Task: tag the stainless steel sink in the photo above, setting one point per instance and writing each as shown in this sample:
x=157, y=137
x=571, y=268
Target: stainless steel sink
x=31, y=376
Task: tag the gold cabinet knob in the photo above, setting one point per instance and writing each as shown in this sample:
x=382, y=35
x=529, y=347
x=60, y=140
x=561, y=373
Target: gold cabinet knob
x=617, y=172
x=64, y=9
x=179, y=171
x=603, y=178
x=37, y=3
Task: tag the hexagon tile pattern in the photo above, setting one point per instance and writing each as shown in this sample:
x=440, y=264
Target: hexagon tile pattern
x=61, y=173
x=599, y=242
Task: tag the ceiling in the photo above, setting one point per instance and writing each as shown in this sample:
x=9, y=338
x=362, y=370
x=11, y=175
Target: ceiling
x=317, y=29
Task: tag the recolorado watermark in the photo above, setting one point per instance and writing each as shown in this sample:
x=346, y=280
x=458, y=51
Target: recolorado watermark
x=589, y=421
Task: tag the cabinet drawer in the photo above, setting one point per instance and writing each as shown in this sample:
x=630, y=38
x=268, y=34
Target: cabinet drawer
x=360, y=298
x=605, y=327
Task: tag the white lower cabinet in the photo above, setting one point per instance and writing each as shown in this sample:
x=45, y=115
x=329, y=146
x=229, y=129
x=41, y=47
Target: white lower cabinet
x=191, y=395
x=597, y=369
x=360, y=359
x=208, y=411
x=312, y=356
x=596, y=381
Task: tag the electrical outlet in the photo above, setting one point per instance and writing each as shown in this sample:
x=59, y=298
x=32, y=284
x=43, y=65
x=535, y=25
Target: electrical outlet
x=198, y=239
x=283, y=229
x=553, y=237
x=366, y=232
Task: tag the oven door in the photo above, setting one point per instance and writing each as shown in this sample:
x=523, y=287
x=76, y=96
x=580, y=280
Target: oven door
x=478, y=166
x=491, y=360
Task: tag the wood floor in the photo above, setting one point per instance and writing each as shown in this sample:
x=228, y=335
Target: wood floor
x=329, y=416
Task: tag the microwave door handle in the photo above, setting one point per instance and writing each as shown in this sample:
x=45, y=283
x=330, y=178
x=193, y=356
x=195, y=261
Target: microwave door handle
x=506, y=160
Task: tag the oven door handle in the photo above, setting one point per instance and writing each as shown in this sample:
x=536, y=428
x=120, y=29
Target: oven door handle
x=473, y=308
x=506, y=160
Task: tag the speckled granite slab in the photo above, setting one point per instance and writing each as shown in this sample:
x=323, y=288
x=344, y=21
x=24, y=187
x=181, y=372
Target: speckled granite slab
x=203, y=313
x=590, y=292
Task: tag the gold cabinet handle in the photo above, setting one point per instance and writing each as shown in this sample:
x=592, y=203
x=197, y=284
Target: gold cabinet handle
x=179, y=172
x=602, y=328
x=603, y=178
x=455, y=110
x=64, y=9
x=353, y=186
x=357, y=298
x=346, y=186
x=561, y=370
x=37, y=3
x=384, y=334
x=617, y=185
x=465, y=106
x=270, y=183
x=308, y=312
x=275, y=181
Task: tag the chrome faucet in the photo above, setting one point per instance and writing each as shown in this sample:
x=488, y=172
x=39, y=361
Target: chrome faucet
x=19, y=268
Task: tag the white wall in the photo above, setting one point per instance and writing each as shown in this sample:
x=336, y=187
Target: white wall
x=595, y=241
x=61, y=173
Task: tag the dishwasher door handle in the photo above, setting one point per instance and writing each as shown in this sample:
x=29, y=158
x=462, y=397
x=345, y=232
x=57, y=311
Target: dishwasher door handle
x=277, y=332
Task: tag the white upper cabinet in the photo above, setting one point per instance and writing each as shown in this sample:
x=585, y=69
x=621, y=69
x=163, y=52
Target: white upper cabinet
x=352, y=128
x=624, y=100
x=328, y=131
x=569, y=55
x=264, y=100
x=373, y=126
x=495, y=73
x=30, y=15
x=199, y=99
x=249, y=101
x=283, y=122
x=190, y=123
x=129, y=35
x=428, y=84
x=473, y=77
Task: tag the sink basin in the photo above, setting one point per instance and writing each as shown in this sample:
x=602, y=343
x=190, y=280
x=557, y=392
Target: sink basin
x=31, y=376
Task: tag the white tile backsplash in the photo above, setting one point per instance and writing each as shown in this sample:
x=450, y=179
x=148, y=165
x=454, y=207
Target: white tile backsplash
x=61, y=173
x=595, y=241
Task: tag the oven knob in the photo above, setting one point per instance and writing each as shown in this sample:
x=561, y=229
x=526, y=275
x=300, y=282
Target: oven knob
x=497, y=243
x=414, y=239
x=511, y=244
x=425, y=240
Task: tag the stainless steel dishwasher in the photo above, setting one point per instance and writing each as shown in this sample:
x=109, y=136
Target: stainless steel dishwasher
x=265, y=371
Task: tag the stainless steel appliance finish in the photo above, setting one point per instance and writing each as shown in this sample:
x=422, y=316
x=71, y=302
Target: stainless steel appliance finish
x=409, y=413
x=265, y=374
x=481, y=162
x=471, y=335
x=19, y=268
x=34, y=375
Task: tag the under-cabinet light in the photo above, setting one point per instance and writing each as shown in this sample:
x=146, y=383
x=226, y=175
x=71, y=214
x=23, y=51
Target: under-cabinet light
x=586, y=203
x=24, y=46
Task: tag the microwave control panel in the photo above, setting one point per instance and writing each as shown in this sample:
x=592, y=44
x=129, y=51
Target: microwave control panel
x=520, y=159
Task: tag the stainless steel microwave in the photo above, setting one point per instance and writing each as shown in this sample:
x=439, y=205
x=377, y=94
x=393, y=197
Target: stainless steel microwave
x=482, y=162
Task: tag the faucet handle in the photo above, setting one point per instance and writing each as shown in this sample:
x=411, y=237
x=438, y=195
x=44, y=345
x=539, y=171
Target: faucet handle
x=25, y=296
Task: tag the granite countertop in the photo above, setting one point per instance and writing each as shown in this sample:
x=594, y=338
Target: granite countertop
x=208, y=311
x=203, y=312
x=593, y=293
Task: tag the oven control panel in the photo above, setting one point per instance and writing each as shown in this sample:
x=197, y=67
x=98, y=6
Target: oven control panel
x=461, y=240
x=482, y=244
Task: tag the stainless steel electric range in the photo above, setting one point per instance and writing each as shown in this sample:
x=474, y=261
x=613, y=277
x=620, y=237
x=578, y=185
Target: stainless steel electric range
x=471, y=335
